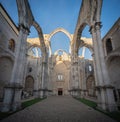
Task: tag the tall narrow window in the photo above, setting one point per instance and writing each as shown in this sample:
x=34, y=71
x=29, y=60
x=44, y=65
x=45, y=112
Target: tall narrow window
x=90, y=68
x=11, y=45
x=108, y=46
x=60, y=77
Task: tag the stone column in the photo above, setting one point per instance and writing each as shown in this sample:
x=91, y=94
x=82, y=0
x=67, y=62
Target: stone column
x=37, y=79
x=76, y=78
x=44, y=83
x=13, y=89
x=94, y=64
x=104, y=84
x=83, y=89
x=83, y=52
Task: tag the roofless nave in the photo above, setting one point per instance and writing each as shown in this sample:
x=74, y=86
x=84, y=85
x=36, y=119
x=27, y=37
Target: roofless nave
x=25, y=72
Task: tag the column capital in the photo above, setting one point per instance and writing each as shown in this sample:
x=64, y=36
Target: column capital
x=95, y=27
x=24, y=29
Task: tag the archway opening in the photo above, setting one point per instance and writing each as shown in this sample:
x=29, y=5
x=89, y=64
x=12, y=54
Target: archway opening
x=90, y=84
x=33, y=32
x=35, y=51
x=29, y=86
x=85, y=52
x=85, y=32
x=60, y=41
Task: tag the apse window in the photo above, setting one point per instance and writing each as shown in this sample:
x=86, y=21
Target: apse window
x=30, y=69
x=90, y=68
x=60, y=77
x=11, y=45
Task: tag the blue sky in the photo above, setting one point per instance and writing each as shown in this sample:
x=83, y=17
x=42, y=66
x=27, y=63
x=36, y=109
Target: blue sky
x=51, y=14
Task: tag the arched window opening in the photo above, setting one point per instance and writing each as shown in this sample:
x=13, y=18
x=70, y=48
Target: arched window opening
x=60, y=77
x=109, y=47
x=30, y=69
x=90, y=84
x=11, y=45
x=29, y=86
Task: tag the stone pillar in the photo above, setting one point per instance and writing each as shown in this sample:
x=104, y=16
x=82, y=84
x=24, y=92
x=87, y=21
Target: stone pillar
x=44, y=83
x=83, y=89
x=94, y=64
x=101, y=71
x=83, y=52
x=37, y=79
x=76, y=78
x=14, y=87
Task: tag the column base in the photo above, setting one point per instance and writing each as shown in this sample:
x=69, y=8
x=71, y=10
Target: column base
x=43, y=93
x=36, y=93
x=83, y=93
x=12, y=97
x=106, y=98
x=75, y=92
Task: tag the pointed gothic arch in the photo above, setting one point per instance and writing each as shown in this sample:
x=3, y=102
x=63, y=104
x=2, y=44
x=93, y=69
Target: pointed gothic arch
x=63, y=31
x=60, y=30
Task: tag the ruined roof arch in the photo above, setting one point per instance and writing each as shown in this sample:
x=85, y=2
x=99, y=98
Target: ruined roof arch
x=86, y=43
x=60, y=30
x=89, y=14
x=63, y=31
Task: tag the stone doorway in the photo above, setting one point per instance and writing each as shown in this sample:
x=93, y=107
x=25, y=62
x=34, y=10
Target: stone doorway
x=60, y=91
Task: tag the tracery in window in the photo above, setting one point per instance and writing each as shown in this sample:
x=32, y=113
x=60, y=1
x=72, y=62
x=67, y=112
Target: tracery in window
x=60, y=77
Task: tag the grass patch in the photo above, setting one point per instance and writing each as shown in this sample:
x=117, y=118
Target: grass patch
x=23, y=105
x=88, y=102
x=30, y=102
x=113, y=115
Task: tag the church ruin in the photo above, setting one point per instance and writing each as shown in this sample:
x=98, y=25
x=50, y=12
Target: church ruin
x=28, y=67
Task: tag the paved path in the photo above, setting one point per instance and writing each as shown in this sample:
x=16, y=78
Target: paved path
x=58, y=109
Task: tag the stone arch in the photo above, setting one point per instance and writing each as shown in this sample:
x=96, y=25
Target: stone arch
x=38, y=51
x=24, y=13
x=90, y=85
x=89, y=15
x=40, y=34
x=60, y=30
x=29, y=85
x=34, y=45
x=6, y=66
x=86, y=46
